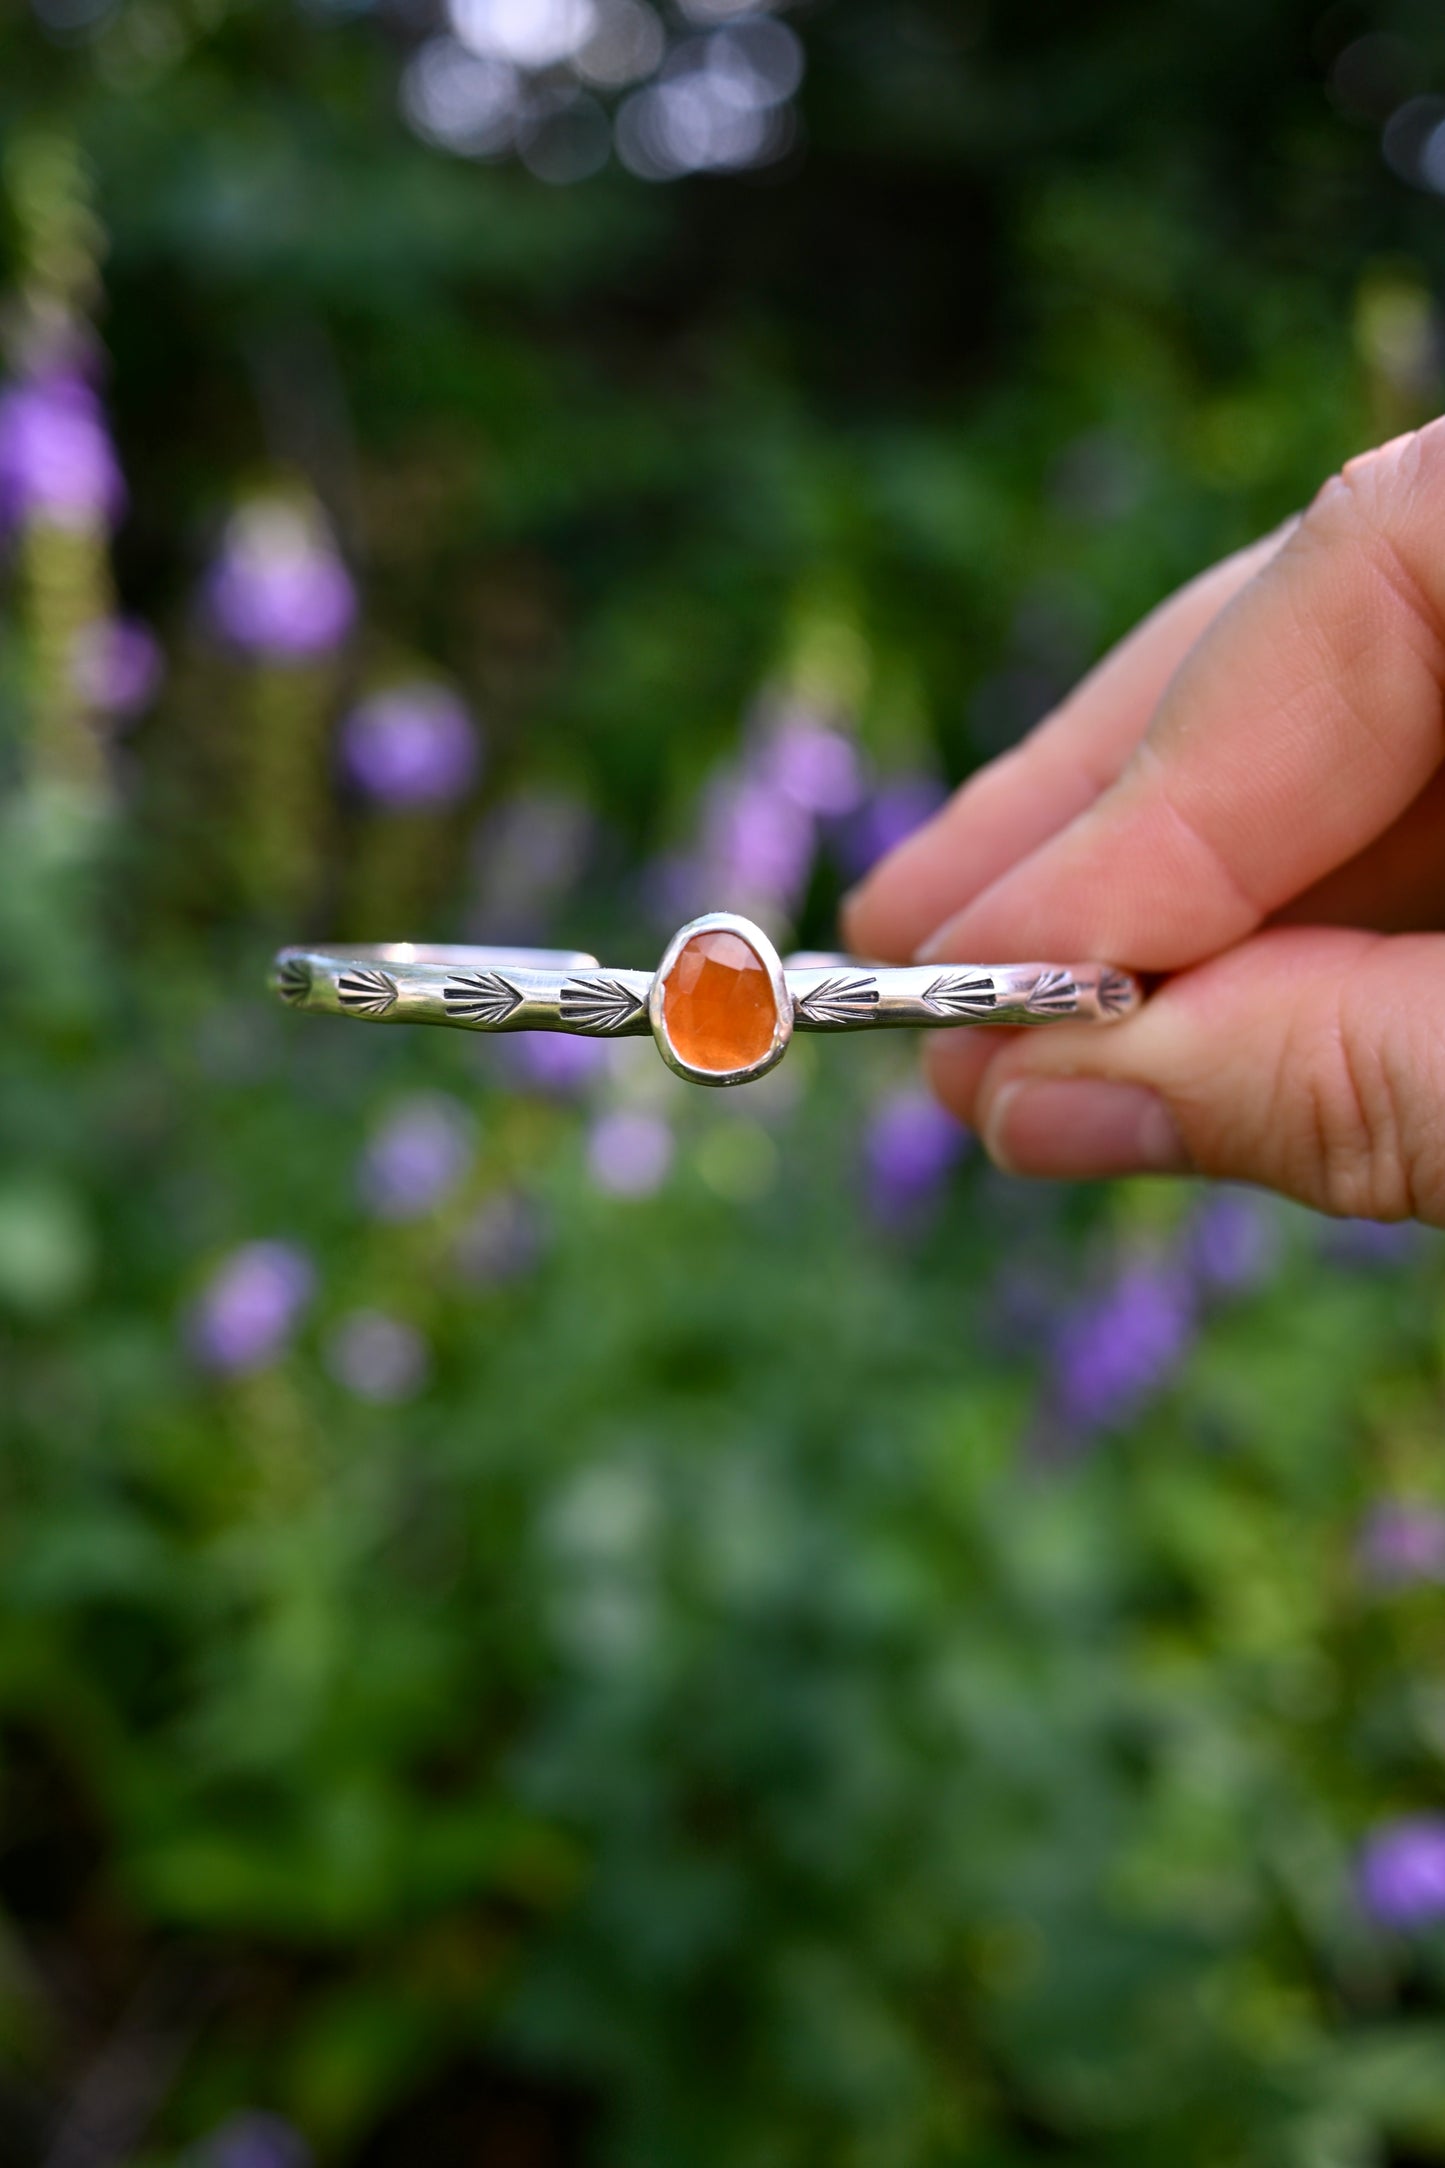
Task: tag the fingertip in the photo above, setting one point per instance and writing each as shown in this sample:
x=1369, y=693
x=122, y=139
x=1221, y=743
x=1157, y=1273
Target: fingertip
x=879, y=914
x=956, y=1063
x=854, y=920
x=940, y=947
x=1081, y=1129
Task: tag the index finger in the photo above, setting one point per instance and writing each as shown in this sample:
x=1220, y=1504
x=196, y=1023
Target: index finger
x=1028, y=794
x=1304, y=720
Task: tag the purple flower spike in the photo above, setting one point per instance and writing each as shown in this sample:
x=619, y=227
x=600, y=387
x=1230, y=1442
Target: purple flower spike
x=1234, y=1242
x=1400, y=1545
x=556, y=1062
x=250, y=1307
x=57, y=463
x=893, y=812
x=256, y=2141
x=378, y=1357
x=757, y=843
x=1402, y=1872
x=1118, y=1349
x=278, y=589
x=411, y=746
x=1373, y=1244
x=502, y=1240
x=117, y=667
x=675, y=887
x=817, y=768
x=629, y=1152
x=528, y=852
x=418, y=1157
x=910, y=1146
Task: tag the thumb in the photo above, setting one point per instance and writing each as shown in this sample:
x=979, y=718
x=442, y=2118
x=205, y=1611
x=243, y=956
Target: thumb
x=1309, y=1059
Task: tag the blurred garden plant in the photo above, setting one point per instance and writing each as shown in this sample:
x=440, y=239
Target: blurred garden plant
x=546, y=1617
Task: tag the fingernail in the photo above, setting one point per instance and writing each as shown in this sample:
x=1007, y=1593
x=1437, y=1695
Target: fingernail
x=935, y=949
x=1076, y=1128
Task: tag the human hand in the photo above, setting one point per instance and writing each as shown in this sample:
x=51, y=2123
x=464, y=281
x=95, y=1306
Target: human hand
x=1247, y=795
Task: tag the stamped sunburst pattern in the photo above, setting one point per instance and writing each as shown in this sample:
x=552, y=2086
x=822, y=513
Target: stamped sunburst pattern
x=600, y=1005
x=366, y=993
x=481, y=997
x=1117, y=993
x=964, y=994
x=840, y=1001
x=1054, y=992
x=293, y=978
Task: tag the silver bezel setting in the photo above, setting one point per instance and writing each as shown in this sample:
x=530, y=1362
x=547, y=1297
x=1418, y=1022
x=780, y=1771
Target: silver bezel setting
x=772, y=963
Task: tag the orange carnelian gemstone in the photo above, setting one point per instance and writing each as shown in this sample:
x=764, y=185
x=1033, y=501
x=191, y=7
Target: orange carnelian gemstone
x=717, y=1003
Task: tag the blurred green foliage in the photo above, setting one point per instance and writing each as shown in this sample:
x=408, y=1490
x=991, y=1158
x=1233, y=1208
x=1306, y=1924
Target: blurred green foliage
x=702, y=1725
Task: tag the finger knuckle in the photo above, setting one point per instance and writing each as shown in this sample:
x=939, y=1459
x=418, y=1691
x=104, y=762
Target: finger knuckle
x=1378, y=488
x=1376, y=533
x=1364, y=1150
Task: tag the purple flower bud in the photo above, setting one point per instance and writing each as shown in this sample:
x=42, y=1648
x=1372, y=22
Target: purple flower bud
x=417, y=1158
x=1233, y=1242
x=629, y=1152
x=1023, y=1305
x=1402, y=1871
x=501, y=1240
x=278, y=588
x=557, y=1062
x=757, y=844
x=528, y=851
x=1400, y=1544
x=411, y=746
x=910, y=1145
x=1118, y=1348
x=377, y=1357
x=893, y=812
x=1373, y=1244
x=57, y=463
x=675, y=887
x=250, y=1306
x=256, y=2141
x=117, y=667
x=817, y=768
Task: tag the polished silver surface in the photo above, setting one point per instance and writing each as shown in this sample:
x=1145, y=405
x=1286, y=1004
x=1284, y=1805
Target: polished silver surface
x=505, y=989
x=839, y=993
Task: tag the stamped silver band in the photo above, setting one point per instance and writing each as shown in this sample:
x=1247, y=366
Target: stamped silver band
x=515, y=989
